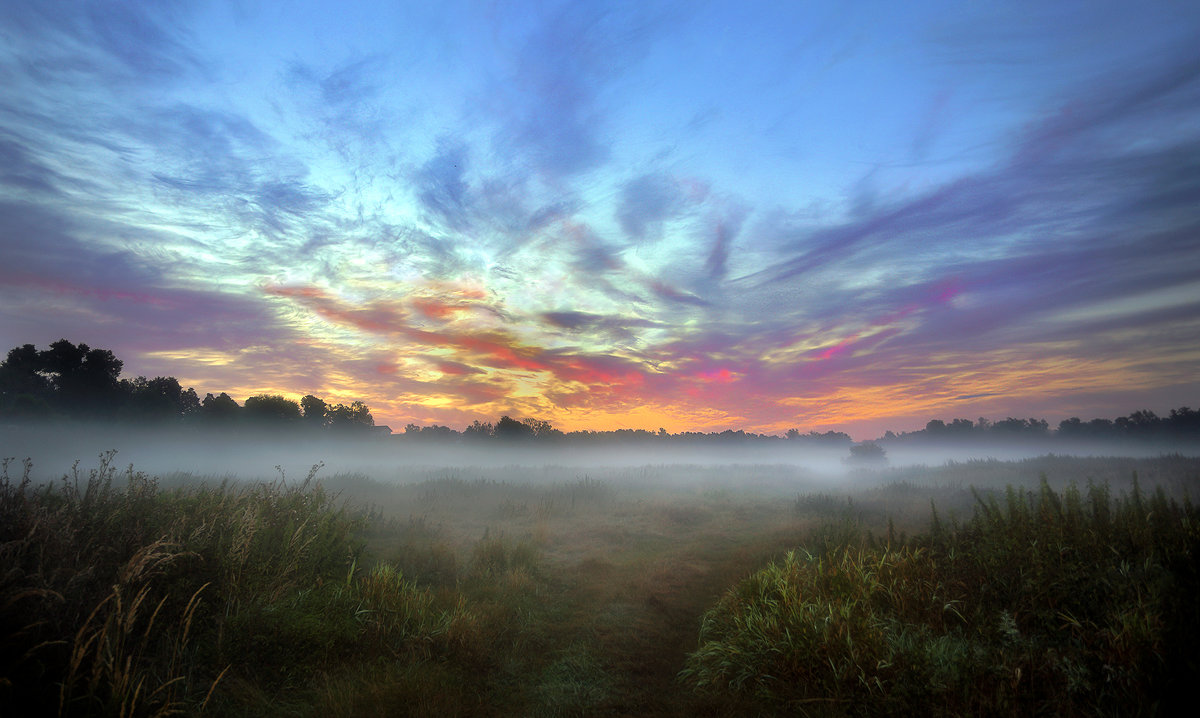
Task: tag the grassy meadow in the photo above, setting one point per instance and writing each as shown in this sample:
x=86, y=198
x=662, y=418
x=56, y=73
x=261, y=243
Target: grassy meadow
x=1057, y=585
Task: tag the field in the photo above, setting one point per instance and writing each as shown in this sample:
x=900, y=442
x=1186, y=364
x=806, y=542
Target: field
x=1055, y=585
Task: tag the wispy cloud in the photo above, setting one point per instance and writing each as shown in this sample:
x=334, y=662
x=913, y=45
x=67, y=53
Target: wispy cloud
x=515, y=217
x=648, y=201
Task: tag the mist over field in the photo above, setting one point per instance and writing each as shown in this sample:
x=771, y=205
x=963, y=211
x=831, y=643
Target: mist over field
x=661, y=577
x=252, y=453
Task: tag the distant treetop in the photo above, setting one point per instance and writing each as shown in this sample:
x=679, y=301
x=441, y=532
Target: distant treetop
x=75, y=381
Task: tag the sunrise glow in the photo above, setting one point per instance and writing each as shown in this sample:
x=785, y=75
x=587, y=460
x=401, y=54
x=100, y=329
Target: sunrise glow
x=678, y=215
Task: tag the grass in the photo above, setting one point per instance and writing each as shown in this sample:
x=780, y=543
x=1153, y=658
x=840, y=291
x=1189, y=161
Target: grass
x=665, y=591
x=1042, y=602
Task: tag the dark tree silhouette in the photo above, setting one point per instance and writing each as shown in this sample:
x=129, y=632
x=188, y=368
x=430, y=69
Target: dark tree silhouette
x=355, y=417
x=271, y=409
x=158, y=399
x=314, y=411
x=866, y=453
x=479, y=430
x=222, y=409
x=84, y=379
x=24, y=389
x=541, y=429
x=814, y=437
x=509, y=429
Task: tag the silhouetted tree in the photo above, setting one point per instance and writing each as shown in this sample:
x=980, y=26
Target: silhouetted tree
x=479, y=430
x=961, y=427
x=354, y=417
x=314, y=411
x=85, y=380
x=439, y=433
x=510, y=429
x=1184, y=422
x=1139, y=424
x=1021, y=427
x=434, y=432
x=219, y=410
x=830, y=438
x=1071, y=428
x=868, y=452
x=271, y=409
x=24, y=389
x=158, y=399
x=189, y=404
x=541, y=429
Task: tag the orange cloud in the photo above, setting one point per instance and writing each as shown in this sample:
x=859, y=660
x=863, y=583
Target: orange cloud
x=437, y=309
x=379, y=317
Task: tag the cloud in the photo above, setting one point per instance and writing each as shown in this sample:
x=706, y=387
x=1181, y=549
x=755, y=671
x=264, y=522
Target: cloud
x=724, y=233
x=353, y=82
x=612, y=329
x=441, y=188
x=480, y=349
x=572, y=320
x=453, y=368
x=550, y=106
x=62, y=285
x=20, y=171
x=552, y=110
x=1093, y=218
x=109, y=40
x=224, y=162
x=163, y=213
x=344, y=106
x=646, y=202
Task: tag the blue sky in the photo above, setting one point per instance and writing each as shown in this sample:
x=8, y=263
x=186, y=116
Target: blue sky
x=689, y=215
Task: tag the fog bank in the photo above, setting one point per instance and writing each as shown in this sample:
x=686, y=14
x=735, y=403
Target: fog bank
x=251, y=454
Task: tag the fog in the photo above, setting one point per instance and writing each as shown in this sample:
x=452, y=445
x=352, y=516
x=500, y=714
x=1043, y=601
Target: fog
x=250, y=454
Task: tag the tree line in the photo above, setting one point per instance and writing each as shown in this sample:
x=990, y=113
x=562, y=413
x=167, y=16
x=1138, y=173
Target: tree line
x=75, y=381
x=1180, y=424
x=78, y=382
x=531, y=429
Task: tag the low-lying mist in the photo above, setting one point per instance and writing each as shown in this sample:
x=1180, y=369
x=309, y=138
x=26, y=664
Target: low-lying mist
x=257, y=454
x=489, y=577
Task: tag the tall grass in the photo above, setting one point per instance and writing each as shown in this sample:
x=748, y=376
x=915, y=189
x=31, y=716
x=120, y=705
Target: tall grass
x=119, y=598
x=98, y=598
x=1042, y=602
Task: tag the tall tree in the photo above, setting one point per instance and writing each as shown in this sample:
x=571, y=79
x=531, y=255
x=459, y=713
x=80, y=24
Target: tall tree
x=314, y=409
x=271, y=409
x=158, y=399
x=510, y=429
x=85, y=379
x=219, y=410
x=25, y=389
x=356, y=416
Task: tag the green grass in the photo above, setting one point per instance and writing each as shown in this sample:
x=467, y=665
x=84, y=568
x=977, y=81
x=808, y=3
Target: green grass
x=599, y=595
x=1042, y=602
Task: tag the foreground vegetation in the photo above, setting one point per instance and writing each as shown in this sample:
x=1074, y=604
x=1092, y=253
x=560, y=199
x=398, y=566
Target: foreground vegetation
x=1041, y=603
x=673, y=591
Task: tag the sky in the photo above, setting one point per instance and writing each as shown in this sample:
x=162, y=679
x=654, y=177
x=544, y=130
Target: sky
x=690, y=215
